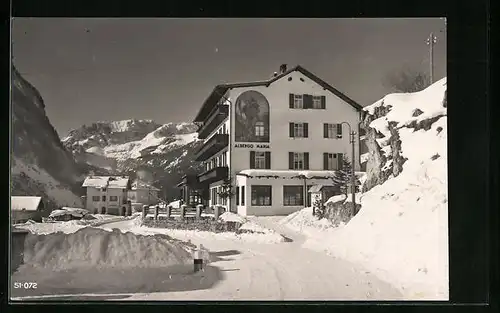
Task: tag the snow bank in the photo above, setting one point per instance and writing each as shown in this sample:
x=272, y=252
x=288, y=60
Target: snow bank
x=93, y=247
x=232, y=217
x=268, y=236
x=401, y=232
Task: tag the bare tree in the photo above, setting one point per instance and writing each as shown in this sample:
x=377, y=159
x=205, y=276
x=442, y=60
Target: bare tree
x=407, y=80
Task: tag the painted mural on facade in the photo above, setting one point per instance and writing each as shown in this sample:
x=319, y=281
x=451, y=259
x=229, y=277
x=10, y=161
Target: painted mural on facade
x=252, y=117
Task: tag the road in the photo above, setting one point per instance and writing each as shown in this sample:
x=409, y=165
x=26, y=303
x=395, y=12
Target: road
x=282, y=271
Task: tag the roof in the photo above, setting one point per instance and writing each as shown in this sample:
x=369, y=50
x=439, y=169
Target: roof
x=141, y=185
x=120, y=182
x=299, y=174
x=24, y=203
x=220, y=90
x=316, y=188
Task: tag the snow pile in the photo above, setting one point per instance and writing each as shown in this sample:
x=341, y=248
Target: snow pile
x=75, y=212
x=401, y=232
x=303, y=221
x=93, y=247
x=232, y=217
x=49, y=228
x=175, y=204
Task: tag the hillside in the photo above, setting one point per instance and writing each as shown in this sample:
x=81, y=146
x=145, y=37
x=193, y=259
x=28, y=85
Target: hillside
x=129, y=146
x=40, y=165
x=401, y=231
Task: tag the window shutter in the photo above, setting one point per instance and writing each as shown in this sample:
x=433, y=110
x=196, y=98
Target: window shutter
x=339, y=130
x=306, y=130
x=340, y=158
x=323, y=102
x=290, y=160
x=252, y=159
x=325, y=130
x=291, y=101
x=237, y=195
x=325, y=161
x=291, y=130
x=242, y=195
x=268, y=160
x=270, y=195
x=308, y=101
x=306, y=160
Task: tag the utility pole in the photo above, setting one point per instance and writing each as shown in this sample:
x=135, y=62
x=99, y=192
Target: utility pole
x=431, y=41
x=353, y=177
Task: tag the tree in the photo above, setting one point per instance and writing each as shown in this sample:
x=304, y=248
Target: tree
x=407, y=80
x=342, y=177
x=227, y=190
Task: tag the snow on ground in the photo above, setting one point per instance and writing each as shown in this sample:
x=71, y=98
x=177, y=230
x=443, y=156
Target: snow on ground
x=54, y=190
x=69, y=227
x=401, y=232
x=97, y=247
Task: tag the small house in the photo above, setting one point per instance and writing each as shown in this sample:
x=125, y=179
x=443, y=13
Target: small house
x=321, y=193
x=143, y=193
x=24, y=208
x=107, y=194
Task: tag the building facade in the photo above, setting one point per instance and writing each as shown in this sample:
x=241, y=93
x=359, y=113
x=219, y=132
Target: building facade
x=144, y=194
x=24, y=208
x=266, y=142
x=107, y=194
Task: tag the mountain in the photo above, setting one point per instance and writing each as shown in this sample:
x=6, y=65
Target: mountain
x=132, y=146
x=40, y=165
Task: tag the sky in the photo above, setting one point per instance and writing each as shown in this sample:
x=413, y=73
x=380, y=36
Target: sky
x=90, y=70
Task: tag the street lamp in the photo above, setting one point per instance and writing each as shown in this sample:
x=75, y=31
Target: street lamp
x=352, y=141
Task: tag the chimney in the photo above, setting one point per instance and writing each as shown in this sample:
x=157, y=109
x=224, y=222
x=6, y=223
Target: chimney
x=282, y=68
x=275, y=74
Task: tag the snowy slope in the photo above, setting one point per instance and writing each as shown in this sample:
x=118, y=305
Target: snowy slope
x=40, y=165
x=401, y=232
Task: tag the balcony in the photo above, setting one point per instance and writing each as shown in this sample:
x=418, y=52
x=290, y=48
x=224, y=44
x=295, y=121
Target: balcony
x=218, y=114
x=213, y=175
x=212, y=146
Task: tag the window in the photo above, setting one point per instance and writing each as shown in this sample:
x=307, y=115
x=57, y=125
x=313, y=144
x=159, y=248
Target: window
x=261, y=195
x=316, y=102
x=224, y=128
x=298, y=102
x=103, y=198
x=113, y=198
x=103, y=189
x=213, y=196
x=242, y=195
x=96, y=198
x=330, y=161
x=298, y=161
x=329, y=130
x=293, y=195
x=237, y=195
x=260, y=160
x=299, y=130
x=259, y=129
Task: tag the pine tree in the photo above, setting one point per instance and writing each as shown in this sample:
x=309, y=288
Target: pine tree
x=342, y=177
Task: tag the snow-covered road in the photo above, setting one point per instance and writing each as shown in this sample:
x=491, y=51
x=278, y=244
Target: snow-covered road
x=282, y=271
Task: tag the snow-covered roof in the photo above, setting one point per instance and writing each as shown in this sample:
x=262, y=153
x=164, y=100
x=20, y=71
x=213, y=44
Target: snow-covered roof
x=24, y=203
x=120, y=182
x=141, y=185
x=286, y=174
